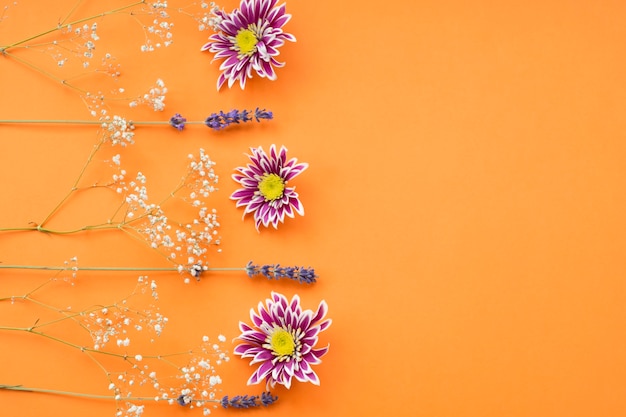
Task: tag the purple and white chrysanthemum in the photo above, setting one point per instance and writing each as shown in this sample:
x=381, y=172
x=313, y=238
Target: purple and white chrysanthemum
x=265, y=192
x=282, y=341
x=248, y=39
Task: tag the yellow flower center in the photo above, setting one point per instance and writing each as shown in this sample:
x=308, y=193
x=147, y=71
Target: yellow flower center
x=271, y=187
x=246, y=41
x=282, y=343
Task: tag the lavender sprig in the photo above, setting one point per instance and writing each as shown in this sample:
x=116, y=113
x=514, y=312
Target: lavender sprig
x=249, y=401
x=177, y=121
x=216, y=121
x=221, y=120
x=197, y=270
x=301, y=274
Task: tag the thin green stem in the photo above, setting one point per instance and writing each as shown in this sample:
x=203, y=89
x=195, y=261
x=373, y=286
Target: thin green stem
x=136, y=236
x=92, y=122
x=32, y=330
x=71, y=12
x=75, y=185
x=126, y=357
x=47, y=44
x=189, y=122
x=27, y=297
x=65, y=315
x=37, y=288
x=44, y=72
x=107, y=268
x=87, y=395
x=103, y=226
x=43, y=121
x=3, y=49
x=19, y=229
x=64, y=82
x=118, y=209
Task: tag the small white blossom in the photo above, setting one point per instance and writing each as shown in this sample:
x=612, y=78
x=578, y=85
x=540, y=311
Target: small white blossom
x=215, y=380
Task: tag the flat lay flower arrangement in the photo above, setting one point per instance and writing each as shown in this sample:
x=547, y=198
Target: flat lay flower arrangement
x=280, y=340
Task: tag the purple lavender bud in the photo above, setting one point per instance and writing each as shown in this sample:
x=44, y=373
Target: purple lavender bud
x=268, y=399
x=301, y=274
x=290, y=272
x=252, y=269
x=178, y=121
x=266, y=271
x=248, y=401
x=279, y=272
x=230, y=117
x=214, y=121
x=222, y=120
x=306, y=275
x=262, y=114
x=244, y=116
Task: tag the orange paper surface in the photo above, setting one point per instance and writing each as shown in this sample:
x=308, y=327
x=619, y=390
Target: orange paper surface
x=464, y=203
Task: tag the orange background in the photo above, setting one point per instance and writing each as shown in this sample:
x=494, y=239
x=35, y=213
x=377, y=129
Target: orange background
x=464, y=204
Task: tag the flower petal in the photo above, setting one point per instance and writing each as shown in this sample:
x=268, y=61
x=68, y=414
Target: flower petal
x=267, y=20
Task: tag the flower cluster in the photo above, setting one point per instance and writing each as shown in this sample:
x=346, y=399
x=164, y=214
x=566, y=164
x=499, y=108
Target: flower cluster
x=155, y=97
x=118, y=131
x=76, y=48
x=184, y=244
x=158, y=32
x=195, y=384
x=248, y=40
x=282, y=340
x=119, y=320
x=133, y=377
x=249, y=401
x=301, y=274
x=208, y=20
x=265, y=192
x=221, y=120
x=82, y=40
x=177, y=121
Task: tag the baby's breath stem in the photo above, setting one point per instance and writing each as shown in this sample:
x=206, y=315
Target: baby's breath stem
x=66, y=315
x=86, y=395
x=3, y=49
x=42, y=71
x=92, y=122
x=107, y=268
x=102, y=226
x=44, y=121
x=163, y=122
x=56, y=339
x=126, y=357
x=75, y=185
x=97, y=268
x=172, y=193
x=19, y=229
x=117, y=210
x=72, y=10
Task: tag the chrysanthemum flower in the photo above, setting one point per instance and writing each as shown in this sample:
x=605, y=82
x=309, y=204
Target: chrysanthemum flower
x=248, y=39
x=265, y=192
x=282, y=340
